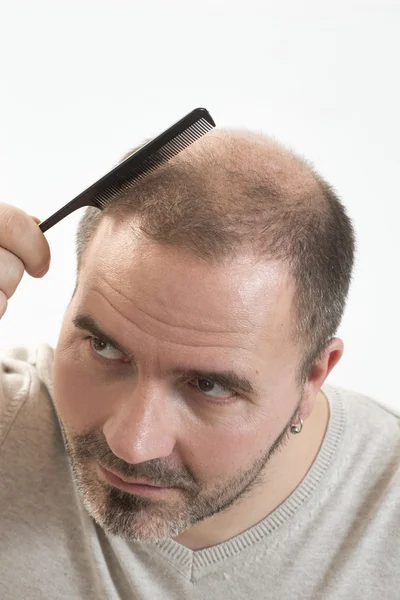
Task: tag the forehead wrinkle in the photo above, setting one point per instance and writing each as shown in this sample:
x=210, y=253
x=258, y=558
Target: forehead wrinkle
x=180, y=343
x=130, y=301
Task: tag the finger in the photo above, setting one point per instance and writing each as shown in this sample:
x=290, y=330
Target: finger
x=11, y=272
x=20, y=234
x=3, y=303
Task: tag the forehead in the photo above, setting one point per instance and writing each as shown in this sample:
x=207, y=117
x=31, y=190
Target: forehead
x=172, y=286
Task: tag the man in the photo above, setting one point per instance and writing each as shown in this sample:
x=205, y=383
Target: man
x=182, y=441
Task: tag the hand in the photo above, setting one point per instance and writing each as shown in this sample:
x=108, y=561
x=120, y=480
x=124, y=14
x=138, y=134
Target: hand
x=23, y=247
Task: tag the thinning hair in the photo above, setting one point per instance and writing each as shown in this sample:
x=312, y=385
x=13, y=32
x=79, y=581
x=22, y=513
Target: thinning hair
x=234, y=189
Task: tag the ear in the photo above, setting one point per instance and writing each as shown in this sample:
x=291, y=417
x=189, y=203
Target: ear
x=319, y=372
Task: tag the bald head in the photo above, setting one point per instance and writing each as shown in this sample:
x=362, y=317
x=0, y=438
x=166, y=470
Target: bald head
x=240, y=149
x=228, y=191
x=227, y=163
x=243, y=161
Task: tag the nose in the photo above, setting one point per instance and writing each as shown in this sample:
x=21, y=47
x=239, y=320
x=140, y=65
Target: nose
x=142, y=427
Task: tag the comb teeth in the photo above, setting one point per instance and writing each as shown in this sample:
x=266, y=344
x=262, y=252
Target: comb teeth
x=161, y=156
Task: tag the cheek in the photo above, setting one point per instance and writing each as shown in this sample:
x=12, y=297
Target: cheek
x=78, y=395
x=217, y=453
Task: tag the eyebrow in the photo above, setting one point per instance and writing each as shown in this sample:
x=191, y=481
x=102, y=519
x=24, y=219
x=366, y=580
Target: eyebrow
x=87, y=323
x=227, y=379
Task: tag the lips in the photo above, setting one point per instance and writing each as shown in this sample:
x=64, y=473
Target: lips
x=132, y=487
x=131, y=482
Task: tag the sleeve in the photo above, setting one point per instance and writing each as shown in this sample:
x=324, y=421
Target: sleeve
x=16, y=378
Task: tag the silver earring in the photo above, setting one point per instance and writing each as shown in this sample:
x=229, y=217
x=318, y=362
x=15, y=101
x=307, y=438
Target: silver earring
x=295, y=428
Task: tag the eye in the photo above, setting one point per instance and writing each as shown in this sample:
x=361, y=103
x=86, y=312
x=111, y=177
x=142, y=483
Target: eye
x=106, y=350
x=213, y=389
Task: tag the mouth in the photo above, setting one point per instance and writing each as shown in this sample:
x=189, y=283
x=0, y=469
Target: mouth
x=133, y=487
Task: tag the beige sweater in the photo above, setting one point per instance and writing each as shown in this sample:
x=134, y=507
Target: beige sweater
x=336, y=537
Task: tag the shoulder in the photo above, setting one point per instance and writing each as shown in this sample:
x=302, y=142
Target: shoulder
x=371, y=415
x=368, y=460
x=25, y=378
x=364, y=484
x=373, y=411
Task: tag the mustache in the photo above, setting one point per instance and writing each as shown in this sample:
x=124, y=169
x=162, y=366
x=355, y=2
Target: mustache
x=92, y=445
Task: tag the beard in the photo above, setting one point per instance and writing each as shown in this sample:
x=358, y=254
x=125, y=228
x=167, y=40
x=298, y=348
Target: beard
x=140, y=518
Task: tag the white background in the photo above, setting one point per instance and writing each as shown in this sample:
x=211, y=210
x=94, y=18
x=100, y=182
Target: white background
x=83, y=82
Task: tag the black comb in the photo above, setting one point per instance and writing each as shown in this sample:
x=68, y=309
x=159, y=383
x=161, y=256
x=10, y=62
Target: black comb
x=138, y=165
